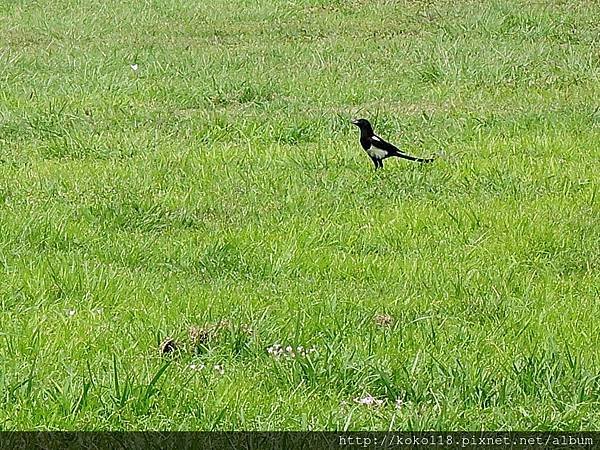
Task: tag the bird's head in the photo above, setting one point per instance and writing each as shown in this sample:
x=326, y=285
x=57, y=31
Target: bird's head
x=363, y=124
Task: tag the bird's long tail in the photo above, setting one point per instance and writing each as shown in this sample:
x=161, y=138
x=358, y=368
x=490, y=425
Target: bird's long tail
x=414, y=158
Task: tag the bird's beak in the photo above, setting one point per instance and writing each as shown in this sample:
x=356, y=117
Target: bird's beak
x=354, y=122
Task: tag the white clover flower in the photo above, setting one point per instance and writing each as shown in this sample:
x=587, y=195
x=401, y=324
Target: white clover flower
x=277, y=351
x=134, y=67
x=368, y=400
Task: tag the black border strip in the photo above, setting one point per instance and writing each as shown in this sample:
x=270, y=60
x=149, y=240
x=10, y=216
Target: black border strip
x=74, y=440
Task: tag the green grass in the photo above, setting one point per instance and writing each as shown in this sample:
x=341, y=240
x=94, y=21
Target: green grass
x=223, y=181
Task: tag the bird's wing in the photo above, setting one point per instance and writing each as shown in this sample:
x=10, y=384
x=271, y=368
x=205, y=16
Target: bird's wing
x=383, y=145
x=395, y=151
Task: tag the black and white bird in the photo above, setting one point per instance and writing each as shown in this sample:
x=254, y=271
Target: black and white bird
x=377, y=148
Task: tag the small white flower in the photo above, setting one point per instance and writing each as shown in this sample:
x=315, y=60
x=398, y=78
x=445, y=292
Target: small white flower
x=276, y=350
x=71, y=312
x=196, y=366
x=399, y=403
x=219, y=369
x=134, y=67
x=368, y=400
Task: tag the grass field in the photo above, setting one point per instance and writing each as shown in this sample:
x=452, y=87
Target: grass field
x=220, y=188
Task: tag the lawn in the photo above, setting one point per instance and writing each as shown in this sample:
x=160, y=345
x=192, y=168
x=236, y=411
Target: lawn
x=188, y=170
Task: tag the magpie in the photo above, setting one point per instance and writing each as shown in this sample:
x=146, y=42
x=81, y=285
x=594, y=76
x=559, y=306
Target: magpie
x=377, y=148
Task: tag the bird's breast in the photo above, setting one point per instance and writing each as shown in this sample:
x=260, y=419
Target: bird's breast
x=375, y=152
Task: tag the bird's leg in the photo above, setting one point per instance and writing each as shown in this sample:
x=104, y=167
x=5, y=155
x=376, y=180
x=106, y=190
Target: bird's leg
x=376, y=162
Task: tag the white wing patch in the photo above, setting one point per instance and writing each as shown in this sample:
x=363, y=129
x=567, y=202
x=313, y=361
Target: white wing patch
x=375, y=152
